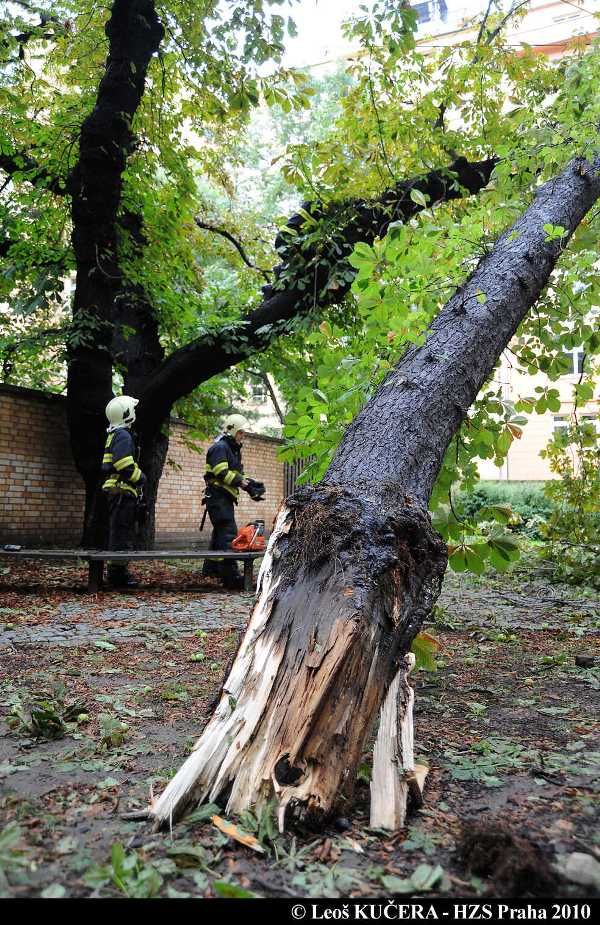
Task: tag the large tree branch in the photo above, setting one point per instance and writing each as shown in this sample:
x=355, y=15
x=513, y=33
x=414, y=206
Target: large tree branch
x=404, y=430
x=17, y=162
x=327, y=284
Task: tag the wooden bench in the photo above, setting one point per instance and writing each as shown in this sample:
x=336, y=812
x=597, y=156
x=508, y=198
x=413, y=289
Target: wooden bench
x=97, y=557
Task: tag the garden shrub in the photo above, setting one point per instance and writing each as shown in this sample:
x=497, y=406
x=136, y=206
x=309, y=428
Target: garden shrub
x=527, y=499
x=572, y=533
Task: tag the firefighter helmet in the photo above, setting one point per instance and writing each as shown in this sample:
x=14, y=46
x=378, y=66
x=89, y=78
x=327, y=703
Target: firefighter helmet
x=120, y=411
x=236, y=422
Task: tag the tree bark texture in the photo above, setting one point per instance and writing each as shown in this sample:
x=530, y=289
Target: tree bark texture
x=353, y=566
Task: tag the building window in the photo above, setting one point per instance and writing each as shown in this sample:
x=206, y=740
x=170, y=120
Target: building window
x=423, y=11
x=434, y=9
x=258, y=392
x=576, y=358
x=561, y=424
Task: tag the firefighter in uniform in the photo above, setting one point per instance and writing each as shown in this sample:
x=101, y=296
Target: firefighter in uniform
x=123, y=483
x=224, y=476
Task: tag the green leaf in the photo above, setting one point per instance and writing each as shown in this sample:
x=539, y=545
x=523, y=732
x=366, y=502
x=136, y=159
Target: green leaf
x=54, y=891
x=500, y=512
x=425, y=877
x=418, y=197
x=232, y=890
x=424, y=648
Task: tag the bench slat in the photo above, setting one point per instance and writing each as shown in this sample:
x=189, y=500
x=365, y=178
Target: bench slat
x=105, y=554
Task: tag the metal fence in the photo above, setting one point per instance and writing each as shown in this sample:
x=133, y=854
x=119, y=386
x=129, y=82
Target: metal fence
x=292, y=472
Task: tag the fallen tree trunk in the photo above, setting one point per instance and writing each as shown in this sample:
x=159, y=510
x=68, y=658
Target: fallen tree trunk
x=353, y=566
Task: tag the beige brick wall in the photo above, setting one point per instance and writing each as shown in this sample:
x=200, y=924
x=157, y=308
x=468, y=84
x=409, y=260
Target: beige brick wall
x=42, y=496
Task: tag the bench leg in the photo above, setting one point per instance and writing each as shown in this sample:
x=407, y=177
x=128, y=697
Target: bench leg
x=95, y=575
x=248, y=578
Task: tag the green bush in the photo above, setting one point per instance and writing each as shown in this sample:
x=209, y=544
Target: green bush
x=527, y=499
x=572, y=535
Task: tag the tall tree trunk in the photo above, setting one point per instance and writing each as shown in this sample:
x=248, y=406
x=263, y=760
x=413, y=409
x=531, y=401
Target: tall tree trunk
x=137, y=350
x=106, y=139
x=353, y=566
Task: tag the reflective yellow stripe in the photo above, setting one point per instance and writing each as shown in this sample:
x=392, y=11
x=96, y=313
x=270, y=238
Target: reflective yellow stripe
x=123, y=463
x=232, y=491
x=113, y=483
x=137, y=474
x=107, y=458
x=220, y=467
x=229, y=478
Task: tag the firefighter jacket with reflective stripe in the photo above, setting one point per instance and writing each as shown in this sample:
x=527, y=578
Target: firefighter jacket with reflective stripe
x=224, y=467
x=119, y=468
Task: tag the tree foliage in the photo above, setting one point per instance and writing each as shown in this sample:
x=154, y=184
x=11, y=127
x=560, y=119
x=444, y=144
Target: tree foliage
x=199, y=92
x=406, y=109
x=572, y=534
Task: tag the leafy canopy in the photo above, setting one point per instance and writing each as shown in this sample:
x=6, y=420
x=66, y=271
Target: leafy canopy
x=406, y=112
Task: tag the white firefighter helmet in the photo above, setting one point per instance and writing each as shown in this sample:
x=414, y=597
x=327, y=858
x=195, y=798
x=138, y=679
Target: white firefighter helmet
x=120, y=411
x=235, y=422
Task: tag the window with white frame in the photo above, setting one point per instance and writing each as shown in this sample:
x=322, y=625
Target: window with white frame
x=577, y=359
x=423, y=11
x=432, y=10
x=258, y=392
x=560, y=424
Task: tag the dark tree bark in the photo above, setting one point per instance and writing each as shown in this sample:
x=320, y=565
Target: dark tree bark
x=353, y=566
x=136, y=349
x=106, y=139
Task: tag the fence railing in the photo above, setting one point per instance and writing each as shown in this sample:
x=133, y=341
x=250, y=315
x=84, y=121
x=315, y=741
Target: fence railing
x=292, y=472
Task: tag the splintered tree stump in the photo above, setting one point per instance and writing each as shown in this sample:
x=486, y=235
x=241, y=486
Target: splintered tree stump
x=341, y=593
x=396, y=782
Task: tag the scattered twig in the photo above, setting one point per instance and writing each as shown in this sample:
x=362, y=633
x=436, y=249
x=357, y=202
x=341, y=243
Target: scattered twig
x=138, y=815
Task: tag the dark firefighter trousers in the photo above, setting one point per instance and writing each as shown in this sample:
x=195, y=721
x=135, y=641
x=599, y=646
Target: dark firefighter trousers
x=220, y=509
x=122, y=515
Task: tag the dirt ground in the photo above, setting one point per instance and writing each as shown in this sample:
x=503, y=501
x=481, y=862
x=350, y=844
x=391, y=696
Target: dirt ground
x=507, y=724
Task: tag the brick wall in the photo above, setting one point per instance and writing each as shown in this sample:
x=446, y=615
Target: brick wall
x=42, y=496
